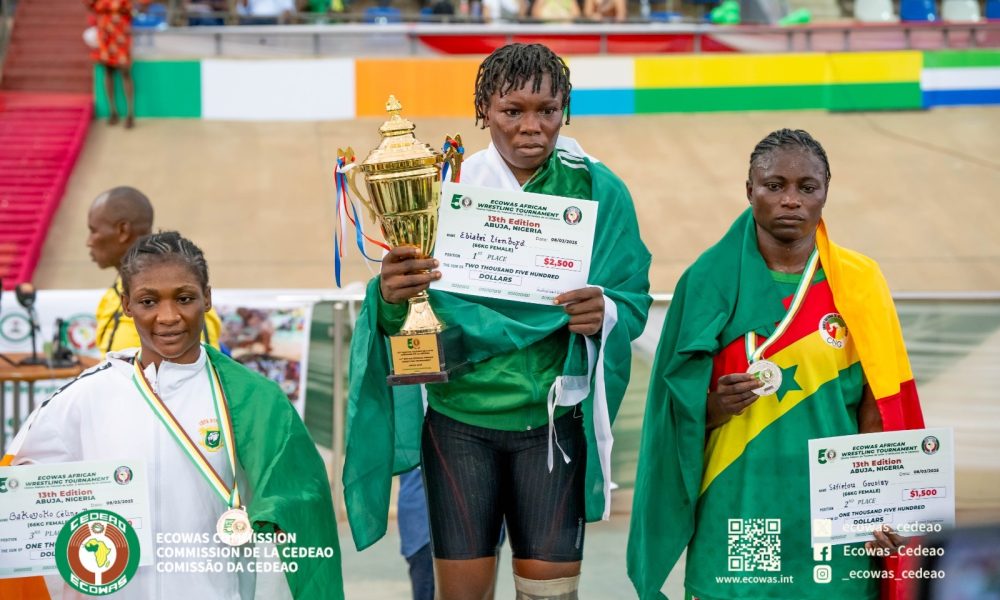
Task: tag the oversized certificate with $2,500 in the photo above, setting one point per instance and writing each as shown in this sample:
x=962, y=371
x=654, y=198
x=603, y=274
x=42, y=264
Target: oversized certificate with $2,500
x=513, y=245
x=37, y=500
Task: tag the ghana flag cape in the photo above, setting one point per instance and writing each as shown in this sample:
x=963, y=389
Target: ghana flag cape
x=383, y=424
x=725, y=293
x=288, y=485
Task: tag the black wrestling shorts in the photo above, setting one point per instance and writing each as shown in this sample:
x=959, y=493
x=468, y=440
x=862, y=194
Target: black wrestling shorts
x=476, y=478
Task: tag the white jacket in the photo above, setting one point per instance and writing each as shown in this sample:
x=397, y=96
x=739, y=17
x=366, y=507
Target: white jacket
x=101, y=416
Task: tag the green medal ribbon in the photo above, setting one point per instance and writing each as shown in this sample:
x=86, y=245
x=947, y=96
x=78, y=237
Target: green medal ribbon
x=754, y=353
x=231, y=498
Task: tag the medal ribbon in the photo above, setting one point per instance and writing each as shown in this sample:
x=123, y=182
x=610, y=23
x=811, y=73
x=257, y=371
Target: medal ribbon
x=231, y=498
x=754, y=353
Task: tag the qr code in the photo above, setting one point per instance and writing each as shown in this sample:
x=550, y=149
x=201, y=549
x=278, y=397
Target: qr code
x=754, y=545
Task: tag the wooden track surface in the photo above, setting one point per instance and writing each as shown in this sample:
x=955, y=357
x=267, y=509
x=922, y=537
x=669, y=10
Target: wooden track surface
x=917, y=191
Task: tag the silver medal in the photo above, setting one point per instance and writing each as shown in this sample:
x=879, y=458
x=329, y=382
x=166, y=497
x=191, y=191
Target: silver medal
x=233, y=527
x=767, y=373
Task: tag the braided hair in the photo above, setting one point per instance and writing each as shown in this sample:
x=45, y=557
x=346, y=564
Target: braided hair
x=512, y=66
x=162, y=247
x=788, y=138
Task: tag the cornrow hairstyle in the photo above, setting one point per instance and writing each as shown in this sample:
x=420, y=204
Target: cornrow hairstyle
x=511, y=67
x=788, y=138
x=163, y=247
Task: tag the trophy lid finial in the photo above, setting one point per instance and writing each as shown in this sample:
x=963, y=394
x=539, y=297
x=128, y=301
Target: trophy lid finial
x=397, y=124
x=399, y=148
x=392, y=106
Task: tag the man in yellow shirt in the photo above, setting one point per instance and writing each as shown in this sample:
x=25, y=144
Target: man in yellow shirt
x=117, y=218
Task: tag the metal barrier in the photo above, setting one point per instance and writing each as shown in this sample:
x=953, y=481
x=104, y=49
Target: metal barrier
x=400, y=39
x=953, y=340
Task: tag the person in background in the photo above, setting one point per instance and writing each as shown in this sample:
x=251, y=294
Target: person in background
x=775, y=336
x=502, y=10
x=117, y=218
x=554, y=10
x=114, y=53
x=268, y=12
x=415, y=534
x=206, y=12
x=605, y=10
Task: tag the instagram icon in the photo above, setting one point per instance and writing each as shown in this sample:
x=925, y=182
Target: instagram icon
x=822, y=574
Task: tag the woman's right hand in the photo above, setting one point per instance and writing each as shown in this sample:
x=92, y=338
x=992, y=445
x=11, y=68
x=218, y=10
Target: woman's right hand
x=405, y=274
x=733, y=394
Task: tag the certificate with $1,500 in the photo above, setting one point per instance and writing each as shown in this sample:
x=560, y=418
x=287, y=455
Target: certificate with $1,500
x=513, y=245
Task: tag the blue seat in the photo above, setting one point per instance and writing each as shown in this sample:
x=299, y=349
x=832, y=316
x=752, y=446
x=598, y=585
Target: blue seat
x=665, y=16
x=382, y=15
x=918, y=11
x=154, y=17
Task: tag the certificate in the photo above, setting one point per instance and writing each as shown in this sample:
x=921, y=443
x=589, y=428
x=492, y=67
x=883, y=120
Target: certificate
x=513, y=245
x=904, y=479
x=37, y=500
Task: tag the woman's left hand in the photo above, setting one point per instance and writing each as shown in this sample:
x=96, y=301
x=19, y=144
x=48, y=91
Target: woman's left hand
x=585, y=308
x=886, y=538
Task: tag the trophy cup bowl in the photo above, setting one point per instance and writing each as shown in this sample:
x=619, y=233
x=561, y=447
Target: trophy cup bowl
x=403, y=179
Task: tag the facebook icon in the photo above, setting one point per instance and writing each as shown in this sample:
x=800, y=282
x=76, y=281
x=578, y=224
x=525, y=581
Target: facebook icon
x=821, y=552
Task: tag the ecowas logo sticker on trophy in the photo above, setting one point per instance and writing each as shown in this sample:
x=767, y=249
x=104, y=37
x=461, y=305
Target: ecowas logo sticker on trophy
x=97, y=552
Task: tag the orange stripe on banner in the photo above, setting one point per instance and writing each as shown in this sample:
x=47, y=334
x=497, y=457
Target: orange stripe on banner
x=425, y=87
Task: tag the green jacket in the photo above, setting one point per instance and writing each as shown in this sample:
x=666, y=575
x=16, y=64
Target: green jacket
x=384, y=423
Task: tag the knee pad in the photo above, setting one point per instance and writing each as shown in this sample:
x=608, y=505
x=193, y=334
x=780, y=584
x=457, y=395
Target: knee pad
x=564, y=588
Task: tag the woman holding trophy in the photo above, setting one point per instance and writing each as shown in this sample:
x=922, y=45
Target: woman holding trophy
x=487, y=437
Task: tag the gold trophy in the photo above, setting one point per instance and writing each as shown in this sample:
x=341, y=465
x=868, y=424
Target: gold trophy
x=403, y=179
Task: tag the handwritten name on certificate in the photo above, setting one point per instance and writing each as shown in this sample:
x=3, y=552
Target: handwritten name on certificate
x=904, y=479
x=513, y=245
x=37, y=500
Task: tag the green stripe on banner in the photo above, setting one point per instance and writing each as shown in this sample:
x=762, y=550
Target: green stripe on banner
x=875, y=96
x=780, y=97
x=162, y=89
x=858, y=96
x=961, y=58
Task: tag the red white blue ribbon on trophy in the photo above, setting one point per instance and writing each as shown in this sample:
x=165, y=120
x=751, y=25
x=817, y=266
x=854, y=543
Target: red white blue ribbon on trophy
x=345, y=204
x=452, y=145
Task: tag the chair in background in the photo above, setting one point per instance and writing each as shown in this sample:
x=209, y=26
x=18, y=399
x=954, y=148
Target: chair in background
x=961, y=10
x=874, y=11
x=913, y=11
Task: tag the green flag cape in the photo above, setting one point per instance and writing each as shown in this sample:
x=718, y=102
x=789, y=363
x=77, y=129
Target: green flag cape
x=288, y=485
x=727, y=292
x=383, y=424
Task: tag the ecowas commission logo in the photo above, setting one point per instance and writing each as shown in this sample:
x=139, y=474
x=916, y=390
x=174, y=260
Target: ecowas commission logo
x=97, y=552
x=460, y=201
x=8, y=484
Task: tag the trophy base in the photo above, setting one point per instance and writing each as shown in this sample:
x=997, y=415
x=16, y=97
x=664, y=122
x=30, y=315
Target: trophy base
x=427, y=358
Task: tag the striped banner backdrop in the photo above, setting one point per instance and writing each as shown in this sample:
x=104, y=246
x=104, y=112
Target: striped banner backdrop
x=311, y=89
x=952, y=78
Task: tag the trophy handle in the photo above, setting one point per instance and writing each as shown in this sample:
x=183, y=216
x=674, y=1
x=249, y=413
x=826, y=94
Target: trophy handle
x=352, y=183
